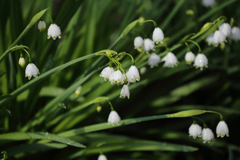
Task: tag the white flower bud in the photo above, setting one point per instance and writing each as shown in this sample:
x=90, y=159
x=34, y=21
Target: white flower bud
x=222, y=129
x=54, y=32
x=207, y=135
x=78, y=91
x=235, y=33
x=31, y=70
x=195, y=130
x=41, y=26
x=21, y=61
x=219, y=37
x=189, y=57
x=170, y=60
x=158, y=35
x=153, y=60
x=201, y=61
x=113, y=118
x=225, y=28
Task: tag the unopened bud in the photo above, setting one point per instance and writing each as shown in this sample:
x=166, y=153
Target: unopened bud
x=78, y=91
x=99, y=108
x=21, y=61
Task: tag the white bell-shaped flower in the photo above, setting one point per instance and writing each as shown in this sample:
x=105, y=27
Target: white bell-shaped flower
x=113, y=118
x=158, y=35
x=235, y=33
x=222, y=129
x=189, y=57
x=201, y=61
x=21, y=61
x=148, y=45
x=106, y=72
x=153, y=60
x=209, y=39
x=102, y=157
x=207, y=135
x=138, y=42
x=54, y=31
x=219, y=37
x=170, y=60
x=195, y=130
x=117, y=77
x=41, y=25
x=208, y=3
x=125, y=92
x=225, y=28
x=31, y=70
x=133, y=74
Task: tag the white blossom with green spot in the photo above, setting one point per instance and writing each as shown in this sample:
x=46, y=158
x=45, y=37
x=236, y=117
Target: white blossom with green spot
x=54, y=31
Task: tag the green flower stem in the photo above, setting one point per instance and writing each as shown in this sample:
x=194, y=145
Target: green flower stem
x=199, y=48
x=30, y=61
x=112, y=109
x=50, y=18
x=204, y=124
x=138, y=30
x=133, y=61
x=154, y=23
x=188, y=49
x=221, y=116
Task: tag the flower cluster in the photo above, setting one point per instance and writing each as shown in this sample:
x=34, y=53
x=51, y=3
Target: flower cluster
x=206, y=133
x=53, y=31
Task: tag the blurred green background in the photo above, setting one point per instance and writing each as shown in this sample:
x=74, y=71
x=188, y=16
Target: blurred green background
x=89, y=26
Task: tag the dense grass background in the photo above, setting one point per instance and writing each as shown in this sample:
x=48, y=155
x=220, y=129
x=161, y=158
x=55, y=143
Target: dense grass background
x=92, y=25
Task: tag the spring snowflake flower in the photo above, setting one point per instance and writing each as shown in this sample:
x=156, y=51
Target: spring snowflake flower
x=170, y=60
x=125, y=92
x=21, y=61
x=195, y=130
x=102, y=157
x=133, y=74
x=207, y=135
x=201, y=61
x=54, y=31
x=189, y=57
x=138, y=42
x=225, y=28
x=153, y=60
x=31, y=70
x=219, y=37
x=41, y=26
x=113, y=118
x=148, y=45
x=117, y=77
x=158, y=35
x=235, y=33
x=222, y=129
x=106, y=72
x=209, y=39
x=208, y=3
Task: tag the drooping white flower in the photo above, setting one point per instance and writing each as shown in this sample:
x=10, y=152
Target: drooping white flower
x=170, y=60
x=21, y=61
x=125, y=92
x=208, y=3
x=219, y=37
x=148, y=45
x=207, y=135
x=102, y=157
x=225, y=28
x=31, y=70
x=235, y=33
x=133, y=74
x=54, y=31
x=153, y=60
x=195, y=130
x=209, y=39
x=201, y=61
x=143, y=70
x=117, y=77
x=222, y=129
x=113, y=118
x=106, y=72
x=189, y=57
x=158, y=35
x=138, y=42
x=41, y=25
x=78, y=91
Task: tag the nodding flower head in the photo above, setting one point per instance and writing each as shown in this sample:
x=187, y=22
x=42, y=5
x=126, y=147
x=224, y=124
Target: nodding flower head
x=125, y=92
x=208, y=3
x=31, y=70
x=222, y=129
x=219, y=37
x=201, y=61
x=148, y=45
x=102, y=157
x=113, y=118
x=117, y=77
x=106, y=72
x=54, y=31
x=41, y=26
x=21, y=61
x=195, y=130
x=133, y=74
x=170, y=60
x=158, y=35
x=153, y=60
x=138, y=42
x=189, y=57
x=235, y=33
x=225, y=28
x=207, y=135
x=209, y=39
